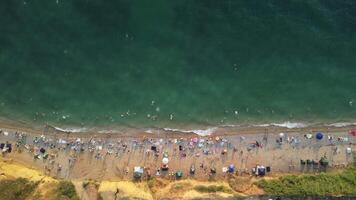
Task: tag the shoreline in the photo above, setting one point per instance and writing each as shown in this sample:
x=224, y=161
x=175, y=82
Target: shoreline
x=224, y=130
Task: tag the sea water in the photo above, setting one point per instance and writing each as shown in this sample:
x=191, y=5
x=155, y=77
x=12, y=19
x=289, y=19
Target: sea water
x=177, y=64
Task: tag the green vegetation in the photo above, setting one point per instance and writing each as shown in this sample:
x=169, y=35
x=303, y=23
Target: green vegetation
x=16, y=189
x=212, y=189
x=180, y=186
x=150, y=183
x=325, y=184
x=66, y=191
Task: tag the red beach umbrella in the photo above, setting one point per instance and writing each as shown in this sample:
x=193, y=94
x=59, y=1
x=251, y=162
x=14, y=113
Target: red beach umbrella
x=353, y=133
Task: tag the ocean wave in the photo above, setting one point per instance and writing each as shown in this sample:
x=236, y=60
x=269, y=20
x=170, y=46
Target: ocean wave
x=341, y=124
x=200, y=132
x=71, y=130
x=149, y=131
x=287, y=124
x=291, y=125
x=108, y=131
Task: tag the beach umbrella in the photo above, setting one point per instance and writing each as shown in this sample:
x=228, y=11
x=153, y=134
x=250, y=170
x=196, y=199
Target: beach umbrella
x=348, y=150
x=231, y=168
x=353, y=133
x=319, y=136
x=165, y=161
x=281, y=135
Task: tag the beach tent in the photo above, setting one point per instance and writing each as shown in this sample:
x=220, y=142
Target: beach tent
x=261, y=170
x=324, y=162
x=179, y=174
x=138, y=171
x=165, y=161
x=231, y=168
x=319, y=136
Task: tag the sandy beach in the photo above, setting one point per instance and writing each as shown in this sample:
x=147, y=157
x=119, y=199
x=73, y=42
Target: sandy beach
x=113, y=156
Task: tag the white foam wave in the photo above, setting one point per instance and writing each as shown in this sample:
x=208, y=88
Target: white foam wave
x=149, y=131
x=108, y=131
x=341, y=124
x=71, y=130
x=285, y=125
x=263, y=125
x=205, y=132
x=291, y=125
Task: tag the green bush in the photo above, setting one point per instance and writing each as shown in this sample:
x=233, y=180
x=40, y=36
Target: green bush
x=341, y=184
x=150, y=183
x=66, y=191
x=16, y=189
x=212, y=189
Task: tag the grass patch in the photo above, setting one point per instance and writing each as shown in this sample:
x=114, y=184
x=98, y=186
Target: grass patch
x=66, y=191
x=180, y=186
x=212, y=189
x=325, y=184
x=17, y=189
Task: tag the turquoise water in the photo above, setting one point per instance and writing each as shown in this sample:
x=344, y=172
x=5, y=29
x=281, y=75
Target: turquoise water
x=176, y=63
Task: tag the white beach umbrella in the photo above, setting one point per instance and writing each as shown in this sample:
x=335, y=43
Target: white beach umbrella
x=281, y=135
x=165, y=161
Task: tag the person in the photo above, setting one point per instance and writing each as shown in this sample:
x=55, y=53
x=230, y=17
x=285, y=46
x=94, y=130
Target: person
x=158, y=173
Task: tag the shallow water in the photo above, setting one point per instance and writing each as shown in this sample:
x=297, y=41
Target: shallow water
x=177, y=63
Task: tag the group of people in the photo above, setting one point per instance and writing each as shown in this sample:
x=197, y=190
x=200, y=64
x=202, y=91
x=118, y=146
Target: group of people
x=160, y=156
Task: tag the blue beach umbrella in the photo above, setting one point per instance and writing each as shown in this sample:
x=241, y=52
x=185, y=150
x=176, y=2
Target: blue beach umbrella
x=319, y=136
x=231, y=168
